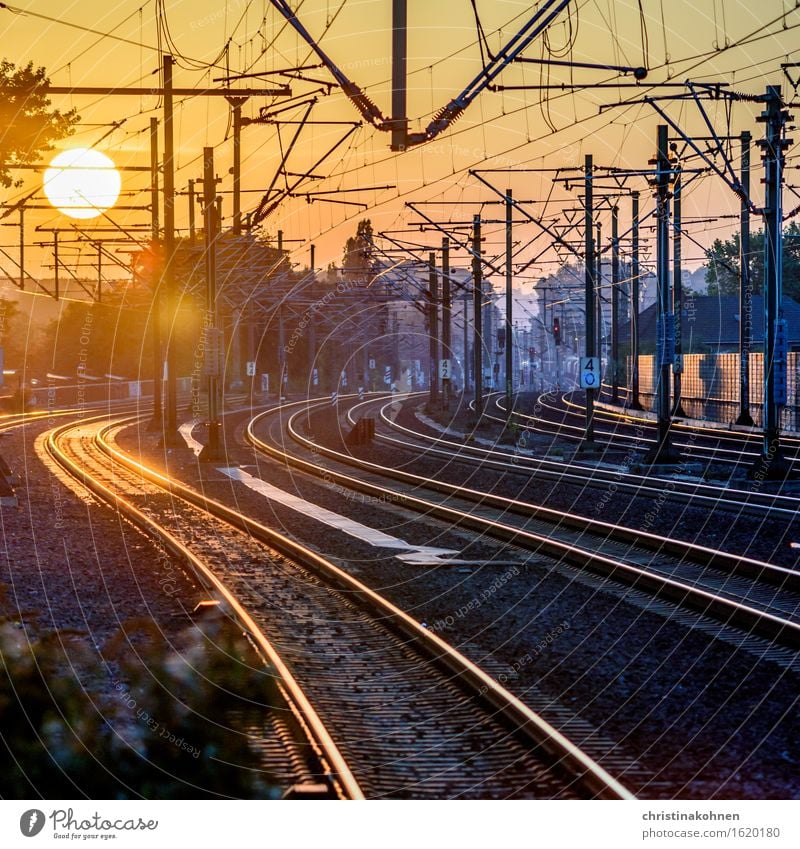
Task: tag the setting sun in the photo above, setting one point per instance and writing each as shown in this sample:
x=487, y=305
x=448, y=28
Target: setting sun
x=82, y=183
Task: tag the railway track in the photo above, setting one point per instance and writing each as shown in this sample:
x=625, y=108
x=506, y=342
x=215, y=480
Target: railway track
x=626, y=430
x=673, y=487
x=755, y=597
x=389, y=709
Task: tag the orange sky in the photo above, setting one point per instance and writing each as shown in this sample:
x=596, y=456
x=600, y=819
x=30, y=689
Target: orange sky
x=510, y=129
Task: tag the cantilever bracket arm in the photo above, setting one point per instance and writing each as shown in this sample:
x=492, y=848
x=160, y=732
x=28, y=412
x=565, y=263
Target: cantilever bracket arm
x=530, y=217
x=463, y=245
x=734, y=185
x=268, y=205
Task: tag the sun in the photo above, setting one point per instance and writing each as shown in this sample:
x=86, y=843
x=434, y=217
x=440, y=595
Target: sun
x=82, y=183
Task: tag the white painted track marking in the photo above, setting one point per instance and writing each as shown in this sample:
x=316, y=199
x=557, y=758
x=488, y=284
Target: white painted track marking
x=185, y=430
x=419, y=555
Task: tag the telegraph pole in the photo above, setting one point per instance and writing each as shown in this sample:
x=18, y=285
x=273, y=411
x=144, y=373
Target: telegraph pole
x=170, y=436
x=615, y=304
x=773, y=464
x=447, y=307
x=588, y=261
x=212, y=451
x=156, y=422
x=665, y=334
x=677, y=292
x=634, y=403
x=509, y=362
x=477, y=307
x=745, y=288
x=433, y=333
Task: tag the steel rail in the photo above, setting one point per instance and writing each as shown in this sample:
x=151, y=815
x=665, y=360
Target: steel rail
x=734, y=564
x=705, y=430
x=742, y=501
x=563, y=755
x=614, y=438
x=730, y=612
x=342, y=780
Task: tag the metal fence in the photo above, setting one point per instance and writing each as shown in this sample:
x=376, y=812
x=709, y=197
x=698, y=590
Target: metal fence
x=710, y=387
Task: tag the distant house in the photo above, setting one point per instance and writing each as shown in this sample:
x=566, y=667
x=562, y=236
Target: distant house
x=710, y=323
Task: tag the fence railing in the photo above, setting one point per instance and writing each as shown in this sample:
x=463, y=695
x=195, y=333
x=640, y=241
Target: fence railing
x=710, y=387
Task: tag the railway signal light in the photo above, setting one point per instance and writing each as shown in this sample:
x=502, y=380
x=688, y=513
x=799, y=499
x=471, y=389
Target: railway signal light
x=557, y=331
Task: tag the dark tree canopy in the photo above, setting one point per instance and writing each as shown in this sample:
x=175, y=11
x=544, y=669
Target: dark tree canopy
x=28, y=125
x=722, y=271
x=358, y=261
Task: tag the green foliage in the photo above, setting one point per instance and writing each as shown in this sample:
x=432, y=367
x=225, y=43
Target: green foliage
x=28, y=126
x=722, y=271
x=170, y=728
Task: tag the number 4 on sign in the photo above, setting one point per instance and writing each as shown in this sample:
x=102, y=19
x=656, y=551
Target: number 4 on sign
x=590, y=372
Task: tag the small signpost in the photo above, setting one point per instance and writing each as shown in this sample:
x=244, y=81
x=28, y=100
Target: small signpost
x=590, y=372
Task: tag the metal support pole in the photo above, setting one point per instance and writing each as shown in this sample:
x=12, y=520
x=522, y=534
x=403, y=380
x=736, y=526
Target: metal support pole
x=170, y=435
x=634, y=403
x=282, y=357
x=662, y=451
x=615, y=305
x=509, y=360
x=56, y=264
x=399, y=61
x=22, y=247
x=447, y=308
x=599, y=297
x=251, y=344
x=212, y=451
x=465, y=342
x=192, y=201
x=545, y=340
x=237, y=165
x=772, y=462
x=677, y=292
x=433, y=333
x=477, y=304
x=158, y=364
x=745, y=290
x=589, y=271
x=311, y=335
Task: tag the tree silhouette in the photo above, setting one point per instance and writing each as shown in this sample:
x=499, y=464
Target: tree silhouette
x=28, y=125
x=722, y=269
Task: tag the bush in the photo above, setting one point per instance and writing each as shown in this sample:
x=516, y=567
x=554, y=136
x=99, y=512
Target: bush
x=171, y=725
